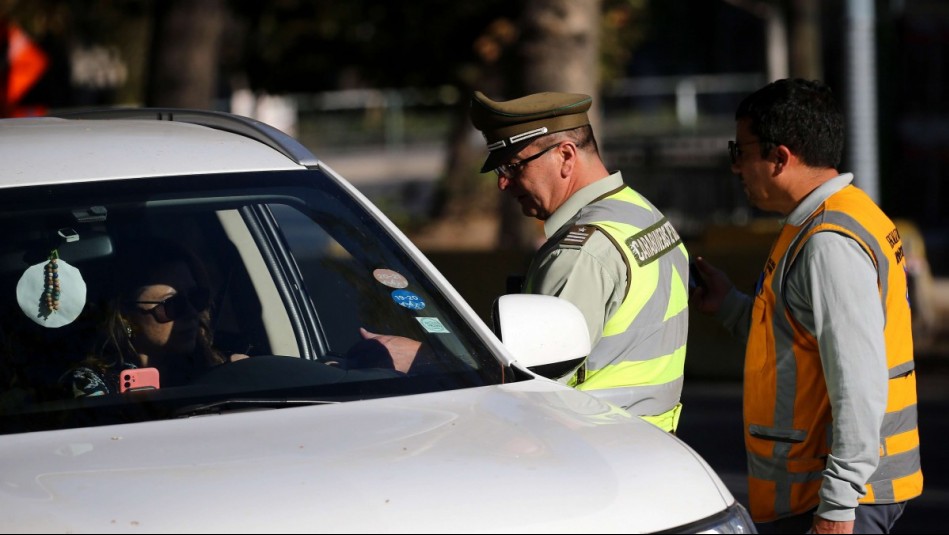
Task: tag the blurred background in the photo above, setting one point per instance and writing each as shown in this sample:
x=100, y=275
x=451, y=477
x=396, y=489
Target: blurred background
x=379, y=91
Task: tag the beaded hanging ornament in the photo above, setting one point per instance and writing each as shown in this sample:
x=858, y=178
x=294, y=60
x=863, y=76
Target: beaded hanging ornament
x=51, y=289
x=51, y=293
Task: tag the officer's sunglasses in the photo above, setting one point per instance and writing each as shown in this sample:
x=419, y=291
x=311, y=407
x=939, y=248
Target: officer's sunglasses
x=168, y=309
x=511, y=170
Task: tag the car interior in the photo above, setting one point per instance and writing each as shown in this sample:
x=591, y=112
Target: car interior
x=292, y=277
x=42, y=350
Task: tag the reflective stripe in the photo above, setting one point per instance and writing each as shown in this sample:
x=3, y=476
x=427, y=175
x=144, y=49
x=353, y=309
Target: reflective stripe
x=772, y=469
x=878, y=491
x=647, y=300
x=891, y=469
x=616, y=207
x=895, y=423
x=894, y=490
x=786, y=364
x=628, y=195
x=902, y=369
x=658, y=370
x=642, y=400
x=772, y=486
x=665, y=340
x=678, y=293
x=866, y=240
x=667, y=421
x=639, y=362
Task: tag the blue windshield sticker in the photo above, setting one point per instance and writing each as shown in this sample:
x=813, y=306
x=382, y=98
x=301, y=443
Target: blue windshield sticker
x=432, y=325
x=408, y=299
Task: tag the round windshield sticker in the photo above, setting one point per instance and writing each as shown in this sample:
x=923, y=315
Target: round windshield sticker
x=392, y=279
x=408, y=299
x=432, y=325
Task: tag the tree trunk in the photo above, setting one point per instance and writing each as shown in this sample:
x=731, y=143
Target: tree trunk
x=558, y=51
x=806, y=40
x=185, y=53
x=465, y=194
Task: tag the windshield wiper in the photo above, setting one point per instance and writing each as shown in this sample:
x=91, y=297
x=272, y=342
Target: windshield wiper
x=231, y=405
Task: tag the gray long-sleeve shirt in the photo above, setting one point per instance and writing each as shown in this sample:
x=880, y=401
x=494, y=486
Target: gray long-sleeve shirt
x=832, y=291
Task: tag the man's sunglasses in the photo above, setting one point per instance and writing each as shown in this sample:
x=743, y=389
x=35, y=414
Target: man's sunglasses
x=734, y=149
x=171, y=308
x=511, y=170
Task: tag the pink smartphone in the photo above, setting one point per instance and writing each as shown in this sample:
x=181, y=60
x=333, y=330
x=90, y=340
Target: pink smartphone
x=138, y=379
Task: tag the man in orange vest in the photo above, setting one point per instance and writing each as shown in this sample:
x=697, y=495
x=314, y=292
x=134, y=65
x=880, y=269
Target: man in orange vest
x=829, y=382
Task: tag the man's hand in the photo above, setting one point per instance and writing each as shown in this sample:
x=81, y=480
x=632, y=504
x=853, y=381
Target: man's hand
x=709, y=296
x=402, y=350
x=822, y=525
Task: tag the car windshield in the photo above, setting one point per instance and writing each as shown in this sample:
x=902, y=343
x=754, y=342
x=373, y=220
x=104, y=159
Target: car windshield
x=294, y=269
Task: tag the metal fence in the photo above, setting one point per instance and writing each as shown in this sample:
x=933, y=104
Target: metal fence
x=668, y=135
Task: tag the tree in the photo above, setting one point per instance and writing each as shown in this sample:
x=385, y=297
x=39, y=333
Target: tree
x=558, y=51
x=184, y=53
x=549, y=45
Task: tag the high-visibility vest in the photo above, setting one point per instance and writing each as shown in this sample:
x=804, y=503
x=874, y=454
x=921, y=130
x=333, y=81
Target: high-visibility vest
x=638, y=364
x=787, y=409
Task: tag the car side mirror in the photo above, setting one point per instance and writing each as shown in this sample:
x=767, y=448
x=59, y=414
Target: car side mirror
x=546, y=334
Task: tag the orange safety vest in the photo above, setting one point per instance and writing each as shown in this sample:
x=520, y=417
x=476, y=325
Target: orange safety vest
x=787, y=411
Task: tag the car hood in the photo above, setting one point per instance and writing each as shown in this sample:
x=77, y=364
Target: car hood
x=533, y=456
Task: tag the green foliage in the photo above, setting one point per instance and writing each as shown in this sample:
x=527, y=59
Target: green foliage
x=306, y=46
x=623, y=27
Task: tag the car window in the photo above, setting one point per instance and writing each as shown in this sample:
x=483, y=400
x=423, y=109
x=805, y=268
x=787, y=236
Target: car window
x=294, y=267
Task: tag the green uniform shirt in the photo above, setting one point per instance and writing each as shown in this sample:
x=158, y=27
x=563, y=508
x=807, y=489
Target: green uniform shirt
x=591, y=275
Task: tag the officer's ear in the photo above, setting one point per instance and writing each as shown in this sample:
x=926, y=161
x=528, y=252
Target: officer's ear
x=568, y=151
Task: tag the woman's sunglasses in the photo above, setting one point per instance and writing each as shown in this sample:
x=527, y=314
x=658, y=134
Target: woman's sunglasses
x=196, y=299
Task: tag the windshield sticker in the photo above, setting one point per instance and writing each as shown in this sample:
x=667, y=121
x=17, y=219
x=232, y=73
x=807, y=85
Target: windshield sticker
x=408, y=299
x=432, y=325
x=392, y=279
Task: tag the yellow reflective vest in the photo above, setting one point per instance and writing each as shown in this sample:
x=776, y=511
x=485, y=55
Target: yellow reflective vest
x=638, y=364
x=787, y=408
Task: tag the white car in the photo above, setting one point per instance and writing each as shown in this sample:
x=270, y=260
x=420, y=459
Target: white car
x=307, y=434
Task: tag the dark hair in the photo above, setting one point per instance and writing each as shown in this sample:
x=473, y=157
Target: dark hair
x=145, y=262
x=581, y=136
x=138, y=264
x=799, y=114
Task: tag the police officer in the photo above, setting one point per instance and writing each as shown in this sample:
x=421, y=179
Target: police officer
x=609, y=251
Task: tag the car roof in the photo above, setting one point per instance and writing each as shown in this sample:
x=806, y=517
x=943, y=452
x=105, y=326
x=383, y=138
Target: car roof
x=51, y=150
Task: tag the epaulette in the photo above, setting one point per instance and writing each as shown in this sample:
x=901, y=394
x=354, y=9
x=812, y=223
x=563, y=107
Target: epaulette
x=577, y=235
